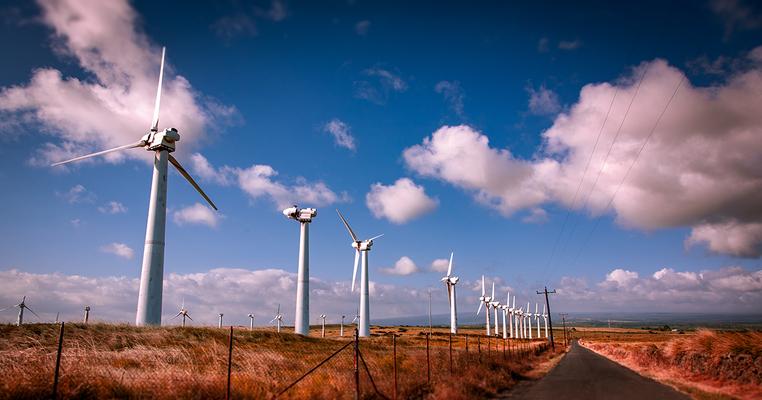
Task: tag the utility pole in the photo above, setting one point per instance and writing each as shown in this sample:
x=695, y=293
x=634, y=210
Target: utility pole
x=550, y=320
x=429, y=311
x=563, y=317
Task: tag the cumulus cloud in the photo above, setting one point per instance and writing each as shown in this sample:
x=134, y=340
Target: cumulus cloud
x=379, y=85
x=728, y=289
x=258, y=181
x=341, y=132
x=235, y=292
x=440, y=265
x=543, y=101
x=244, y=21
x=732, y=237
x=77, y=194
x=113, y=207
x=400, y=202
x=114, y=107
x=403, y=266
x=453, y=95
x=736, y=15
x=119, y=250
x=700, y=166
x=197, y=214
x=362, y=27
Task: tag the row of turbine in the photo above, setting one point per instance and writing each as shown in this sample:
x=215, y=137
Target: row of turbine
x=519, y=320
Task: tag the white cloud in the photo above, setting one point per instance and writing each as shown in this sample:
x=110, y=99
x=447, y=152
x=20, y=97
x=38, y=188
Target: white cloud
x=77, y=194
x=403, y=266
x=697, y=170
x=234, y=291
x=400, y=202
x=536, y=215
x=113, y=207
x=341, y=132
x=115, y=105
x=197, y=214
x=76, y=222
x=732, y=237
x=362, y=27
x=728, y=290
x=440, y=265
x=244, y=21
x=453, y=94
x=570, y=44
x=736, y=15
x=543, y=101
x=258, y=181
x=119, y=250
x=378, y=89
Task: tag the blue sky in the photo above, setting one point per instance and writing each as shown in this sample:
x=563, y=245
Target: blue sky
x=265, y=79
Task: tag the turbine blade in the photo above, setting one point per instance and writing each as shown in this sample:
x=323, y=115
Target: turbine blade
x=484, y=291
x=449, y=268
x=480, y=308
x=188, y=315
x=493, y=290
x=6, y=308
x=354, y=271
x=193, y=183
x=100, y=153
x=178, y=314
x=375, y=237
x=351, y=232
x=157, y=103
x=31, y=311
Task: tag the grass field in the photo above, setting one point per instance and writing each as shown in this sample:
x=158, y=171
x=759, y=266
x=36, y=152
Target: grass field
x=706, y=364
x=120, y=361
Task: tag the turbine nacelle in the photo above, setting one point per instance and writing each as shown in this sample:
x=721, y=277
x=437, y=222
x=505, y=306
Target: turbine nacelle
x=300, y=214
x=161, y=140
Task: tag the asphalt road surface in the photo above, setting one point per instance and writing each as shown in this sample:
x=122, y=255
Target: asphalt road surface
x=585, y=375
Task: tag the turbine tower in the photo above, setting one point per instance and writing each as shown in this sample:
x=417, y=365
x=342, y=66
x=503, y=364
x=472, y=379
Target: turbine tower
x=537, y=320
x=87, y=314
x=484, y=300
x=529, y=320
x=495, y=306
x=184, y=313
x=450, y=281
x=509, y=311
x=161, y=143
x=22, y=306
x=341, y=330
x=219, y=322
x=361, y=249
x=545, y=318
x=302, y=316
x=322, y=334
x=251, y=322
x=278, y=319
x=504, y=309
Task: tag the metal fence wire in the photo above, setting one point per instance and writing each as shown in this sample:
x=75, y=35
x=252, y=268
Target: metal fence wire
x=395, y=363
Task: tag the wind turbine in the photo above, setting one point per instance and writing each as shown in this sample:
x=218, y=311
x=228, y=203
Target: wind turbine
x=509, y=311
x=22, y=306
x=504, y=309
x=341, y=330
x=251, y=322
x=537, y=320
x=322, y=316
x=361, y=249
x=519, y=323
x=356, y=318
x=162, y=143
x=529, y=320
x=278, y=319
x=545, y=318
x=302, y=316
x=495, y=306
x=484, y=300
x=219, y=322
x=57, y=314
x=184, y=313
x=87, y=314
x=450, y=281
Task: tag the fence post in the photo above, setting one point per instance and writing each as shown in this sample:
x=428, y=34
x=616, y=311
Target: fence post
x=489, y=347
x=58, y=361
x=466, y=344
x=479, y=346
x=451, y=352
x=394, y=352
x=504, y=349
x=230, y=361
x=428, y=361
x=357, y=366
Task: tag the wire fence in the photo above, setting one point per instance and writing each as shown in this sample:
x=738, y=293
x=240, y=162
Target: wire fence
x=82, y=362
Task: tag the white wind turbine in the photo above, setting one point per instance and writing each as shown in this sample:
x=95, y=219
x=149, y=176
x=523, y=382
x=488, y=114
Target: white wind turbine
x=251, y=322
x=278, y=319
x=495, y=306
x=529, y=320
x=484, y=300
x=341, y=329
x=162, y=143
x=504, y=310
x=184, y=313
x=509, y=311
x=450, y=281
x=22, y=306
x=361, y=249
x=219, y=322
x=87, y=315
x=519, y=322
x=545, y=318
x=302, y=316
x=322, y=316
x=356, y=319
x=537, y=319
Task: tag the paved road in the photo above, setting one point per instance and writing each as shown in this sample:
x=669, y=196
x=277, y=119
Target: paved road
x=585, y=375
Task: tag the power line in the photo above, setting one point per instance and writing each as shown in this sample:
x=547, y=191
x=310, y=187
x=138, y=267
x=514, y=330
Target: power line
x=627, y=173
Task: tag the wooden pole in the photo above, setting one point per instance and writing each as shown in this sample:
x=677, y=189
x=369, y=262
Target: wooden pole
x=394, y=352
x=58, y=361
x=230, y=362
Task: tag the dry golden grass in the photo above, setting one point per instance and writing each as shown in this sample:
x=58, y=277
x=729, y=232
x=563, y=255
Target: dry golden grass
x=120, y=361
x=707, y=364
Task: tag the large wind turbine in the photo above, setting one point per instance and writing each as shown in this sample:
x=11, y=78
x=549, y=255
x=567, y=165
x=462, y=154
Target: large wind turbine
x=529, y=320
x=537, y=319
x=162, y=143
x=184, y=313
x=495, y=306
x=361, y=249
x=450, y=281
x=302, y=316
x=545, y=318
x=22, y=306
x=484, y=300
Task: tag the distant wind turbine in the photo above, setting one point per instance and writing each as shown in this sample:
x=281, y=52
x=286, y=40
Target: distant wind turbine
x=322, y=334
x=251, y=322
x=87, y=314
x=450, y=281
x=22, y=306
x=484, y=300
x=278, y=319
